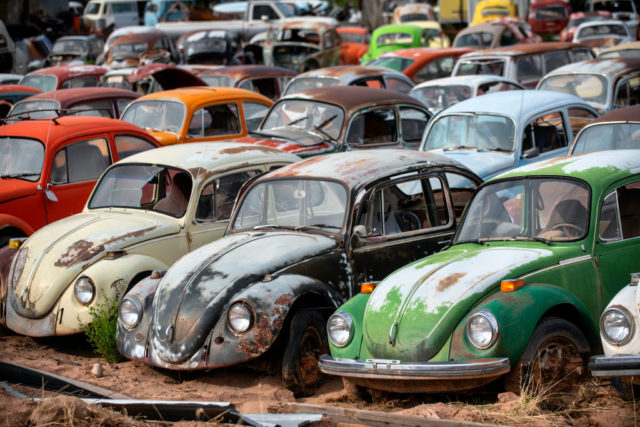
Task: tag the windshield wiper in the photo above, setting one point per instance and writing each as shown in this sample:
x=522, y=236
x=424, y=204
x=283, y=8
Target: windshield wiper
x=302, y=227
x=19, y=175
x=502, y=150
x=476, y=241
x=460, y=147
x=285, y=227
x=534, y=238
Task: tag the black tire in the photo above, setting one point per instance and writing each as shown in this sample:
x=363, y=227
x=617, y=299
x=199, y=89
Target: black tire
x=625, y=389
x=306, y=343
x=555, y=356
x=4, y=241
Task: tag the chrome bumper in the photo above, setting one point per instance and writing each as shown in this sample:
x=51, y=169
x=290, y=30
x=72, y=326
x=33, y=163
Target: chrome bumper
x=623, y=365
x=396, y=370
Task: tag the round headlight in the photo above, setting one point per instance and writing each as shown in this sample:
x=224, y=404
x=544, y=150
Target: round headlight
x=616, y=325
x=130, y=312
x=482, y=330
x=239, y=317
x=84, y=290
x=340, y=328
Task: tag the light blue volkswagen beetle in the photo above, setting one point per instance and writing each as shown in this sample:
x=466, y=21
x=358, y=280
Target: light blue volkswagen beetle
x=493, y=133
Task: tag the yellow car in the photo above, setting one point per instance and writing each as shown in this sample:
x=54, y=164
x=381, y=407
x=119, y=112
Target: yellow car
x=486, y=10
x=196, y=114
x=422, y=15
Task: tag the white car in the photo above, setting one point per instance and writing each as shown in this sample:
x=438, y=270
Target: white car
x=599, y=35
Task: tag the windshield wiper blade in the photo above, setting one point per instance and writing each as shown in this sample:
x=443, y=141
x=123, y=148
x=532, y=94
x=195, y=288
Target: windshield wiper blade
x=302, y=227
x=534, y=238
x=285, y=227
x=501, y=150
x=460, y=147
x=476, y=241
x=19, y=175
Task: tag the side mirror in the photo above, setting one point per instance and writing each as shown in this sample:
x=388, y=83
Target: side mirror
x=50, y=194
x=530, y=153
x=360, y=231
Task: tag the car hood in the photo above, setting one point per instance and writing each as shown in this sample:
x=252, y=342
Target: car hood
x=485, y=164
x=196, y=291
x=168, y=76
x=15, y=189
x=56, y=254
x=428, y=298
x=164, y=138
x=291, y=140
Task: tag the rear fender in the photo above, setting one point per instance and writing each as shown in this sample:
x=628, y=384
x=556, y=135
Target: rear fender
x=517, y=314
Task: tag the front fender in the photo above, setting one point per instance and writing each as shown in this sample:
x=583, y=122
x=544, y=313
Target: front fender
x=517, y=314
x=6, y=257
x=13, y=221
x=271, y=302
x=355, y=307
x=111, y=279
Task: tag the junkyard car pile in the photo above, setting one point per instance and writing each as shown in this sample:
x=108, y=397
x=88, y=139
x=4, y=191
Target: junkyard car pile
x=274, y=191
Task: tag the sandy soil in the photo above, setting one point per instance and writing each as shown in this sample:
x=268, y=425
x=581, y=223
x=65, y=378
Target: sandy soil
x=254, y=392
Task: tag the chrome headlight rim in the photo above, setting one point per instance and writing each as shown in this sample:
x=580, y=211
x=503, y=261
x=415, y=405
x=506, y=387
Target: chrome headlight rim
x=93, y=290
x=627, y=316
x=485, y=314
x=346, y=317
x=139, y=311
x=230, y=321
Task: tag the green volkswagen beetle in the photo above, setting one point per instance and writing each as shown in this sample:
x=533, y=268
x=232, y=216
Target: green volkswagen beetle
x=518, y=295
x=393, y=37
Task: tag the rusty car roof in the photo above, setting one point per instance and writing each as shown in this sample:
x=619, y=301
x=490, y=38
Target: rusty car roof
x=610, y=67
x=429, y=53
x=65, y=96
x=239, y=72
x=205, y=157
x=624, y=46
x=347, y=73
x=69, y=71
x=319, y=26
x=626, y=114
x=361, y=167
x=525, y=49
x=354, y=97
x=194, y=94
x=53, y=132
x=18, y=89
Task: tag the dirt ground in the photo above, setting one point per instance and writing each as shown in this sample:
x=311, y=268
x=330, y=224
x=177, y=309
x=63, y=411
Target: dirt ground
x=589, y=403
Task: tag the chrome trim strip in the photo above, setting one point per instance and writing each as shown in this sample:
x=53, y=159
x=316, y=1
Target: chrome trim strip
x=562, y=263
x=395, y=370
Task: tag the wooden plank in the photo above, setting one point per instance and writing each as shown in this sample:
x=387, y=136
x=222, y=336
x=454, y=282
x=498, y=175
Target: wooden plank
x=370, y=418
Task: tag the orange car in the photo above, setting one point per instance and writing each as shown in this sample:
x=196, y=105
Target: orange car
x=196, y=114
x=354, y=42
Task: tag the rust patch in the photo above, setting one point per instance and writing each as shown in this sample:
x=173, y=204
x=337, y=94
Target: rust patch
x=83, y=250
x=257, y=342
x=450, y=280
x=244, y=148
x=284, y=299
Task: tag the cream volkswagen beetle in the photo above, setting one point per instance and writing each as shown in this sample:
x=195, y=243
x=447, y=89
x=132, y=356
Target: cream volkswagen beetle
x=145, y=212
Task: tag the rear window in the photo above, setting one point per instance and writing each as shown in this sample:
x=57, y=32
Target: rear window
x=477, y=40
x=551, y=12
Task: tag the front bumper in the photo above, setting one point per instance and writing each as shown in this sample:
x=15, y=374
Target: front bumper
x=428, y=377
x=622, y=365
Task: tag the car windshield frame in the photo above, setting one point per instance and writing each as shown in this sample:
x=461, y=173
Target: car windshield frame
x=314, y=119
x=93, y=202
x=273, y=207
x=24, y=166
x=449, y=144
x=44, y=108
x=138, y=103
x=572, y=85
x=522, y=203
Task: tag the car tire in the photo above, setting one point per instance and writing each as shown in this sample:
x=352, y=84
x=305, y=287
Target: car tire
x=306, y=343
x=625, y=389
x=556, y=354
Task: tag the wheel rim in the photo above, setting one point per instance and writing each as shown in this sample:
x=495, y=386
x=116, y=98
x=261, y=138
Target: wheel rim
x=309, y=351
x=557, y=362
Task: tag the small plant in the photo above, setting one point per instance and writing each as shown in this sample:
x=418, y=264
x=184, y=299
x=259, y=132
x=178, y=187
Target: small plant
x=101, y=332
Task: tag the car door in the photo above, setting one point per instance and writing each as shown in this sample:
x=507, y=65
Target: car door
x=215, y=121
x=73, y=174
x=402, y=220
x=374, y=128
x=617, y=247
x=545, y=136
x=210, y=215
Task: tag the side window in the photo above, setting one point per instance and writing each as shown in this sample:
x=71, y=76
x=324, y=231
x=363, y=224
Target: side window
x=80, y=161
x=528, y=68
x=80, y=82
x=214, y=120
x=620, y=214
x=266, y=87
x=508, y=38
x=95, y=109
x=327, y=40
x=627, y=93
x=581, y=54
x=546, y=132
x=217, y=197
x=609, y=226
x=246, y=85
x=553, y=60
x=398, y=85
x=373, y=127
x=435, y=69
x=260, y=11
x=413, y=123
x=127, y=145
x=496, y=86
x=579, y=118
x=122, y=104
x=254, y=112
x=461, y=189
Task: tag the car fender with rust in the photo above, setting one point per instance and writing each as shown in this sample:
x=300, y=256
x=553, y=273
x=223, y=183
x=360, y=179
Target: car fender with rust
x=517, y=314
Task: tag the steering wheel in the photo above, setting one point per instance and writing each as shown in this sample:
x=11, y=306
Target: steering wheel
x=567, y=228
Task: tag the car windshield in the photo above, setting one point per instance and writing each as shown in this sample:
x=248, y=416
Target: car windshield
x=590, y=87
x=394, y=38
x=392, y=62
x=315, y=117
x=551, y=12
x=484, y=66
x=352, y=38
x=215, y=42
x=303, y=83
x=21, y=158
x=602, y=30
x=44, y=82
x=92, y=8
x=293, y=203
x=217, y=80
x=476, y=40
x=129, y=50
x=440, y=97
x=608, y=136
x=299, y=35
x=545, y=209
x=36, y=109
x=156, y=115
x=70, y=46
x=494, y=10
x=143, y=186
x=472, y=131
x=409, y=17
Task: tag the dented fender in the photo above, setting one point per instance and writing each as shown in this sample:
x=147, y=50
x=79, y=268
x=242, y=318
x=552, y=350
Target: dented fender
x=517, y=313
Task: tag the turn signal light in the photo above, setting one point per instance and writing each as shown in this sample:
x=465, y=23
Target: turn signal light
x=511, y=285
x=17, y=242
x=367, y=288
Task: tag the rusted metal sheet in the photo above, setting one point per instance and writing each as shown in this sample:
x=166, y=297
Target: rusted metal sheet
x=242, y=72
